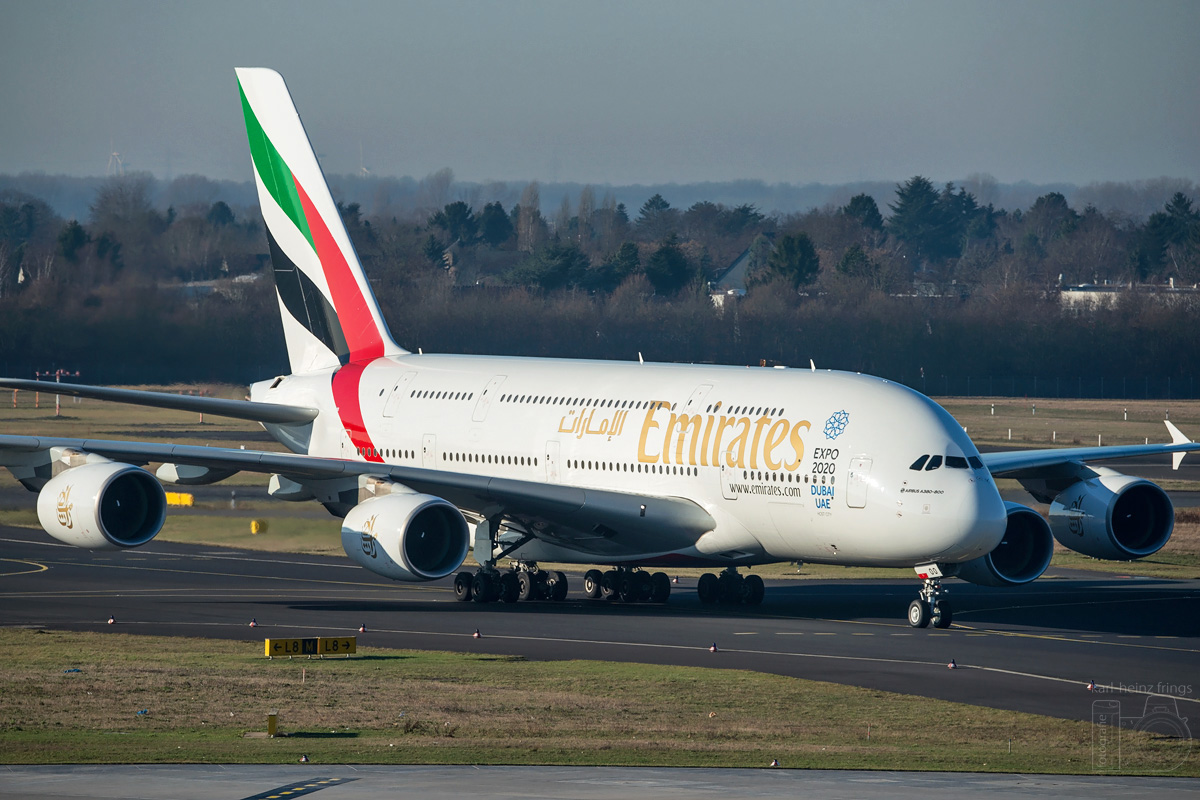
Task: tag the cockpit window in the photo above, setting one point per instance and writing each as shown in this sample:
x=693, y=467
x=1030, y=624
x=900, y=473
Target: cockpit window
x=934, y=463
x=956, y=462
x=975, y=462
x=920, y=462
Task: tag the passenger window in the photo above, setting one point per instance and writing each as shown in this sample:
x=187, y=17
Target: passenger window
x=934, y=463
x=956, y=462
x=975, y=462
x=920, y=462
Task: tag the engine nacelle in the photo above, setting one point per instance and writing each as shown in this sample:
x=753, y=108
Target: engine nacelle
x=406, y=537
x=1022, y=555
x=102, y=505
x=1113, y=516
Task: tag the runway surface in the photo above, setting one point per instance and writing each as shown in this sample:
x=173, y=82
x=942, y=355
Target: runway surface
x=586, y=783
x=1032, y=648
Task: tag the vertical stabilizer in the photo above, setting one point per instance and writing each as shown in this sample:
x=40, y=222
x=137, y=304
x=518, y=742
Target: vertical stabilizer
x=330, y=316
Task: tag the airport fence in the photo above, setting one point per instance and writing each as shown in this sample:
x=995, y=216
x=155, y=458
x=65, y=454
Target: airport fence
x=1095, y=387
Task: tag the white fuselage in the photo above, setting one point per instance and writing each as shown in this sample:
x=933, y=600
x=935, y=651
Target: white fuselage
x=792, y=464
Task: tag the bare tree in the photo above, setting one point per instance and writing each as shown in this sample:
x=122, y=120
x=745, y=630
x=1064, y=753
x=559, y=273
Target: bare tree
x=529, y=223
x=587, y=206
x=434, y=191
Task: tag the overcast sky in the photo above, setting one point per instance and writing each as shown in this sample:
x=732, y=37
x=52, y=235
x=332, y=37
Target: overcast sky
x=616, y=92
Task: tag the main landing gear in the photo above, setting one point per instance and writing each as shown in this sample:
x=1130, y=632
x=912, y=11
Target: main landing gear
x=931, y=605
x=627, y=585
x=730, y=588
x=525, y=581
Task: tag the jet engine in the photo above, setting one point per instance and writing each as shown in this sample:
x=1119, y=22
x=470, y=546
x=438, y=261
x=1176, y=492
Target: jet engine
x=1022, y=555
x=102, y=505
x=406, y=537
x=1113, y=516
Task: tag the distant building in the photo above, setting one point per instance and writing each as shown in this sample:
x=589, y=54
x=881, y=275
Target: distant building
x=1090, y=297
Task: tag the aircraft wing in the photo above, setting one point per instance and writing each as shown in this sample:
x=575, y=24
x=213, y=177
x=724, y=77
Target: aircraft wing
x=592, y=520
x=238, y=409
x=1051, y=463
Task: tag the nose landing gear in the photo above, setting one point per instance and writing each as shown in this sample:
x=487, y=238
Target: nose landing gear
x=931, y=605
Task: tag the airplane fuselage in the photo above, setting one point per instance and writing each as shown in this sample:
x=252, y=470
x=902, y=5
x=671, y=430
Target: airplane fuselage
x=792, y=464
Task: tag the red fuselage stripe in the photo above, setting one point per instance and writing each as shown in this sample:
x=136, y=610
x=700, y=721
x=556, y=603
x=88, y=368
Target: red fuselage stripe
x=346, y=394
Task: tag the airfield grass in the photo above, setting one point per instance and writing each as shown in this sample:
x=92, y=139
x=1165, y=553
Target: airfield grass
x=202, y=698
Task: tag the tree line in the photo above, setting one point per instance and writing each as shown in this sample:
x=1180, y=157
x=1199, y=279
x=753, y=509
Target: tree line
x=926, y=281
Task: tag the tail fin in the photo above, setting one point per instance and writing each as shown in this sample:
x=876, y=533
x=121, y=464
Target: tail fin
x=330, y=316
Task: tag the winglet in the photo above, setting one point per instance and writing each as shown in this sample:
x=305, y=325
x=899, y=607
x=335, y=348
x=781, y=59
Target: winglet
x=1177, y=437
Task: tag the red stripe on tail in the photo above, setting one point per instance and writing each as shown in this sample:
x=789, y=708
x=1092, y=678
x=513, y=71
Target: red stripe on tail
x=353, y=312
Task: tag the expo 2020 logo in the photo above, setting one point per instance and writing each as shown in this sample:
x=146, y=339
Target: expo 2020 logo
x=835, y=426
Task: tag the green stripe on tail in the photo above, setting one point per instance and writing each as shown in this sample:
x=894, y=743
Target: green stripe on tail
x=273, y=171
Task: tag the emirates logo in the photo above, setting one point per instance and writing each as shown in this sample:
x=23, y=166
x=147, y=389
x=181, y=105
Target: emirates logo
x=64, y=507
x=368, y=537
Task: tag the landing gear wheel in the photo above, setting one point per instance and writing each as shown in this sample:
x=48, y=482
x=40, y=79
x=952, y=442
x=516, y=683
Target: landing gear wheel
x=754, y=590
x=609, y=583
x=557, y=588
x=942, y=614
x=527, y=584
x=730, y=588
x=591, y=584
x=510, y=587
x=645, y=586
x=462, y=586
x=481, y=587
x=627, y=588
x=660, y=587
x=918, y=614
x=706, y=588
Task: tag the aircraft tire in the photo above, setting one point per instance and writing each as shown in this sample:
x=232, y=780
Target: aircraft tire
x=608, y=583
x=527, y=586
x=558, y=589
x=481, y=587
x=943, y=617
x=627, y=588
x=660, y=585
x=592, y=584
x=918, y=614
x=645, y=586
x=754, y=590
x=730, y=588
x=706, y=588
x=462, y=586
x=510, y=587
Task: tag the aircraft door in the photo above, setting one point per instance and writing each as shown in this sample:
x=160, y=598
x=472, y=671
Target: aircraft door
x=397, y=394
x=728, y=475
x=858, y=481
x=696, y=399
x=551, y=462
x=486, y=397
x=429, y=451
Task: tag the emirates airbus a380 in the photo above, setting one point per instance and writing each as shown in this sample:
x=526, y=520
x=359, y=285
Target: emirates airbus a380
x=626, y=467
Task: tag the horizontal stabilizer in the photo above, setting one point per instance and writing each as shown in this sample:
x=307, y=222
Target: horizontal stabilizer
x=1177, y=437
x=238, y=409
